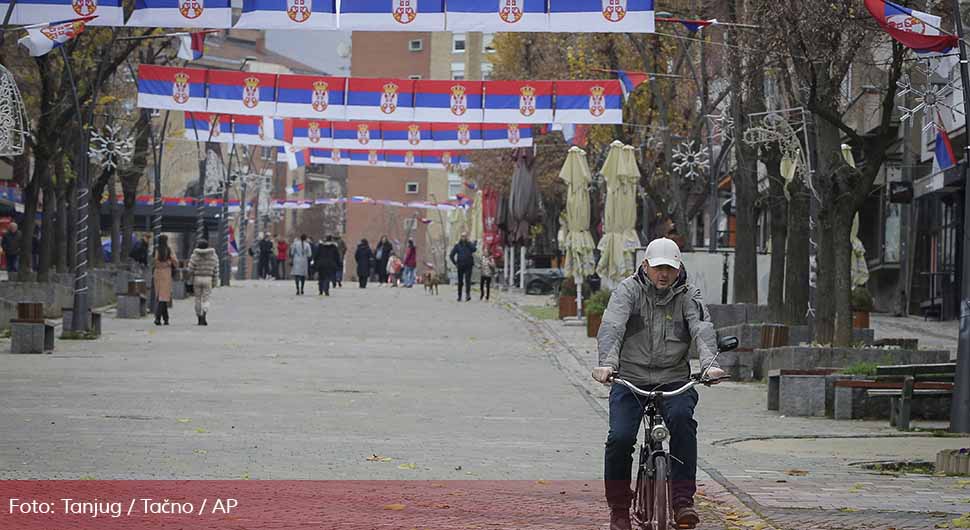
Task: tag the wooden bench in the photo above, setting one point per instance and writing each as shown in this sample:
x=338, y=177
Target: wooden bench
x=905, y=382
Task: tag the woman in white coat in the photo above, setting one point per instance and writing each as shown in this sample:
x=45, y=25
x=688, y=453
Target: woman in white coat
x=300, y=252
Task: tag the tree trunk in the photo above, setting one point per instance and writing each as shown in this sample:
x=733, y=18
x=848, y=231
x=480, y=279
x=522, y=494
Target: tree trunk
x=60, y=224
x=746, y=227
x=842, y=260
x=71, y=228
x=778, y=212
x=47, y=234
x=796, y=254
x=115, y=221
x=825, y=279
x=28, y=223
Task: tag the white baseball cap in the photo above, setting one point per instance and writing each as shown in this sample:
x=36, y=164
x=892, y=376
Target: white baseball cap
x=663, y=251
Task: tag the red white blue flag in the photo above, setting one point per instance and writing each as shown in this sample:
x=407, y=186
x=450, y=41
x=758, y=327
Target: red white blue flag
x=629, y=81
x=296, y=188
x=248, y=93
x=256, y=130
x=518, y=102
x=357, y=135
x=913, y=29
x=109, y=12
x=206, y=127
x=943, y=150
x=329, y=156
x=192, y=46
x=311, y=133
x=364, y=157
x=457, y=135
x=602, y=16
x=594, y=102
x=288, y=14
x=304, y=96
x=405, y=136
x=506, y=135
x=165, y=87
x=296, y=157
x=43, y=38
x=403, y=158
x=181, y=14
x=392, y=15
x=380, y=99
x=497, y=15
x=233, y=246
x=448, y=101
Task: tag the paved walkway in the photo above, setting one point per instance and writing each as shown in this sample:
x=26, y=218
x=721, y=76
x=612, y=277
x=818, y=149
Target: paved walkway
x=799, y=472
x=380, y=384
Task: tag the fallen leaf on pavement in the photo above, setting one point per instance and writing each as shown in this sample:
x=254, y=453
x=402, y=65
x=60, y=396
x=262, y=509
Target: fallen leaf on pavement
x=848, y=510
x=200, y=430
x=183, y=420
x=407, y=466
x=378, y=458
x=542, y=482
x=796, y=472
x=394, y=507
x=961, y=522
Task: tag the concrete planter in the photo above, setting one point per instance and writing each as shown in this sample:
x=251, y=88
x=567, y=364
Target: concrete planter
x=810, y=358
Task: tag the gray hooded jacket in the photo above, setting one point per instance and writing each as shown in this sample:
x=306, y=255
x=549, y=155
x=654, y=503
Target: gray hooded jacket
x=646, y=334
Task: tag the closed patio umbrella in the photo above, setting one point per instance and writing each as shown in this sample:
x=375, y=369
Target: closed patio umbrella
x=577, y=241
x=620, y=239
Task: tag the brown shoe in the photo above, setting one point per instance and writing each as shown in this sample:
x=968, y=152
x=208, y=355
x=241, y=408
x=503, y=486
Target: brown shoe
x=620, y=519
x=686, y=517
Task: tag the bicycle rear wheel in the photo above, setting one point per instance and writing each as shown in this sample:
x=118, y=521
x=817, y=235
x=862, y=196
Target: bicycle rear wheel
x=642, y=497
x=661, y=499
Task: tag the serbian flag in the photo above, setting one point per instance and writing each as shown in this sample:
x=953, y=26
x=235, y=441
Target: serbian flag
x=364, y=157
x=357, y=135
x=181, y=14
x=296, y=158
x=192, y=46
x=601, y=16
x=911, y=28
x=405, y=159
x=444, y=159
x=305, y=96
x=498, y=136
x=329, y=156
x=310, y=133
x=457, y=135
x=629, y=81
x=166, y=87
x=392, y=15
x=945, y=158
x=288, y=14
x=448, y=101
x=297, y=188
x=249, y=93
x=518, y=101
x=206, y=127
x=595, y=102
x=380, y=99
x=497, y=15
x=108, y=12
x=233, y=246
x=255, y=130
x=41, y=39
x=406, y=136
x=692, y=25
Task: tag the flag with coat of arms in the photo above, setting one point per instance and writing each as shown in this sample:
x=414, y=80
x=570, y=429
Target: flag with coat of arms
x=43, y=38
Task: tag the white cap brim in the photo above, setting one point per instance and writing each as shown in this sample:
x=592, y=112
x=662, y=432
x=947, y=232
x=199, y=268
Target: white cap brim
x=656, y=262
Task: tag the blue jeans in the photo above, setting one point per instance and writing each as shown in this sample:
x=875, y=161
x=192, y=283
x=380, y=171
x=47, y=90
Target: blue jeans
x=626, y=413
x=409, y=276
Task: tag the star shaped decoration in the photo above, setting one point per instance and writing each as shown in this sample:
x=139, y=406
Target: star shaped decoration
x=690, y=163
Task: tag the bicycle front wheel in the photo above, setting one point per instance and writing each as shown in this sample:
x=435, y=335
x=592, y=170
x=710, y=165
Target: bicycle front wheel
x=661, y=499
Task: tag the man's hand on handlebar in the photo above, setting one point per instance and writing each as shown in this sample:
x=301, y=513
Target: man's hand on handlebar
x=714, y=376
x=603, y=374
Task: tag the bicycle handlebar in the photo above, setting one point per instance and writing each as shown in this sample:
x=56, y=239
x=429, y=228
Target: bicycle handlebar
x=656, y=393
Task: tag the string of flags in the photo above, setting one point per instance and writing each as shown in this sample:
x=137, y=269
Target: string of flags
x=383, y=99
x=41, y=39
x=914, y=29
x=235, y=205
x=374, y=158
x=585, y=16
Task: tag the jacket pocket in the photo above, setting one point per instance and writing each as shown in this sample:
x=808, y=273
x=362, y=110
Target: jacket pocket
x=676, y=344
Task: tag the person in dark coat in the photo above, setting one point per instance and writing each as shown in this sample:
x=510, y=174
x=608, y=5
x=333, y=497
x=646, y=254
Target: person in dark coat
x=265, y=251
x=11, y=247
x=463, y=257
x=363, y=255
x=326, y=261
x=342, y=247
x=382, y=253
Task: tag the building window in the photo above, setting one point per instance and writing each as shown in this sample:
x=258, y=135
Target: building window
x=415, y=45
x=458, y=43
x=458, y=71
x=415, y=77
x=267, y=153
x=487, y=45
x=411, y=188
x=455, y=185
x=486, y=71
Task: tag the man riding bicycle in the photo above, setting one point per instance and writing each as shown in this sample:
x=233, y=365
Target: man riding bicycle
x=650, y=323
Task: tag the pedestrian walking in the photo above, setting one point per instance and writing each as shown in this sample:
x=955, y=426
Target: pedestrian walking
x=363, y=256
x=282, y=256
x=342, y=247
x=139, y=254
x=11, y=248
x=302, y=253
x=326, y=261
x=204, y=264
x=165, y=265
x=410, y=264
x=265, y=249
x=382, y=253
x=395, y=269
x=487, y=271
x=463, y=257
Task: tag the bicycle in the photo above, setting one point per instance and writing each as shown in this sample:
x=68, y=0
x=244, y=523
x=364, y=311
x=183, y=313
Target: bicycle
x=652, y=507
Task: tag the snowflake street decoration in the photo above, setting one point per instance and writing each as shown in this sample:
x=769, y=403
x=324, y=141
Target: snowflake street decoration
x=13, y=116
x=721, y=126
x=930, y=99
x=110, y=148
x=690, y=163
